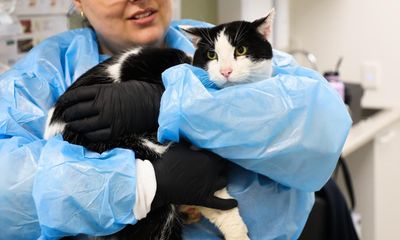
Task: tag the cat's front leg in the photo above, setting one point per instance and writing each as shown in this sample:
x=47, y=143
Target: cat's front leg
x=229, y=222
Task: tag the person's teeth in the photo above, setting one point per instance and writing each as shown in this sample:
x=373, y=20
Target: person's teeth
x=143, y=15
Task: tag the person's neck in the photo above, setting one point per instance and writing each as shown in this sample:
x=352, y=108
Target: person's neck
x=110, y=49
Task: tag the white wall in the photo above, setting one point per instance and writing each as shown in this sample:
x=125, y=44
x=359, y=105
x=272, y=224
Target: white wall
x=231, y=10
x=362, y=31
x=176, y=9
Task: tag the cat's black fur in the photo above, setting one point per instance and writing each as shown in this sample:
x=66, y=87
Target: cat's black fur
x=147, y=66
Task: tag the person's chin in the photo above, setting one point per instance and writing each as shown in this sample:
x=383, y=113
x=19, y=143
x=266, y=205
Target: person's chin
x=153, y=38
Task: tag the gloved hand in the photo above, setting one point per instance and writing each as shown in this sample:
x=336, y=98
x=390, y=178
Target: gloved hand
x=105, y=111
x=186, y=176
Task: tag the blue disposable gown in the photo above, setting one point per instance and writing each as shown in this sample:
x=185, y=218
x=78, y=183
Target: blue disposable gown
x=52, y=188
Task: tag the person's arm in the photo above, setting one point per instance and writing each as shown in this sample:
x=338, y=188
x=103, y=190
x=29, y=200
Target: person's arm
x=33, y=202
x=290, y=128
x=25, y=95
x=27, y=91
x=78, y=191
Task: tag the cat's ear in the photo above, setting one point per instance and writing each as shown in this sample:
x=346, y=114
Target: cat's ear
x=264, y=25
x=194, y=34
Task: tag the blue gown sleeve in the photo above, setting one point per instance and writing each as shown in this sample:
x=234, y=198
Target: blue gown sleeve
x=290, y=128
x=78, y=191
x=49, y=189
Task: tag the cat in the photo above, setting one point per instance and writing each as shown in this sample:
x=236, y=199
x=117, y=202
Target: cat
x=232, y=53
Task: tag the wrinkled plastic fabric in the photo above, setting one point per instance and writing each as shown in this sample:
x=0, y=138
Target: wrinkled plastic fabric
x=284, y=133
x=291, y=127
x=91, y=186
x=48, y=188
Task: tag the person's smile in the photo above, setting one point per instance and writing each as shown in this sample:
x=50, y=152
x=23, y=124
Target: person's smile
x=144, y=17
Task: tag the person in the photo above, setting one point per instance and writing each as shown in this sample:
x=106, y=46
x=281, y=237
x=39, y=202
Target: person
x=50, y=188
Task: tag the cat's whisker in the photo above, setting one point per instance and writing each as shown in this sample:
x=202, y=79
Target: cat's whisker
x=203, y=44
x=206, y=36
x=237, y=32
x=242, y=33
x=210, y=39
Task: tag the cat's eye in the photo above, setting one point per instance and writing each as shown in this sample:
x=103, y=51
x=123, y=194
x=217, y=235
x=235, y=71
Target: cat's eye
x=212, y=55
x=241, y=51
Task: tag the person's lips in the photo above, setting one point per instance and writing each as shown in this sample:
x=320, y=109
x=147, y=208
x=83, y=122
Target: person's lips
x=144, y=16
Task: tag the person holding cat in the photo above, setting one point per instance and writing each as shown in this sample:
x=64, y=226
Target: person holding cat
x=95, y=198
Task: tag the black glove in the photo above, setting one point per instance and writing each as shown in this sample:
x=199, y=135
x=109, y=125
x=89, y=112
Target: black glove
x=105, y=111
x=186, y=176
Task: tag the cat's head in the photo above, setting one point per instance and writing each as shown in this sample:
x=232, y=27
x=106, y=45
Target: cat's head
x=235, y=52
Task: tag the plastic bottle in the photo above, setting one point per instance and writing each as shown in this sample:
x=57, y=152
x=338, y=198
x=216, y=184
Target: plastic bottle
x=333, y=78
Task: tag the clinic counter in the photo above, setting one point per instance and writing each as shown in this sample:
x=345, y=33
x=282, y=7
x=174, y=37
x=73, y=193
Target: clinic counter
x=366, y=130
x=372, y=153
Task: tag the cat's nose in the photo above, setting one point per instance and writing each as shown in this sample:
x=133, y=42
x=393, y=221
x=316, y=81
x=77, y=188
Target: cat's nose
x=226, y=72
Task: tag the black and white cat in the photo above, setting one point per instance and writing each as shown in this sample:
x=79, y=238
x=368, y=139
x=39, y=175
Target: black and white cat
x=232, y=53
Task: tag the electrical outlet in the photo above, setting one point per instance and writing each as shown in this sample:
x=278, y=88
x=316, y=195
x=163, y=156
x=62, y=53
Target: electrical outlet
x=370, y=75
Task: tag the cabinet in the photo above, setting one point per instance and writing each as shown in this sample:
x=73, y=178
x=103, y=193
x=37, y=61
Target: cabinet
x=372, y=152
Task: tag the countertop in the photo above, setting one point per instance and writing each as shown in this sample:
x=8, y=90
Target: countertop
x=366, y=130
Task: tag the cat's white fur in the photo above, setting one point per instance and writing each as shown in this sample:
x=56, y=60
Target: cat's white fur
x=158, y=148
x=243, y=69
x=53, y=128
x=229, y=222
x=115, y=69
